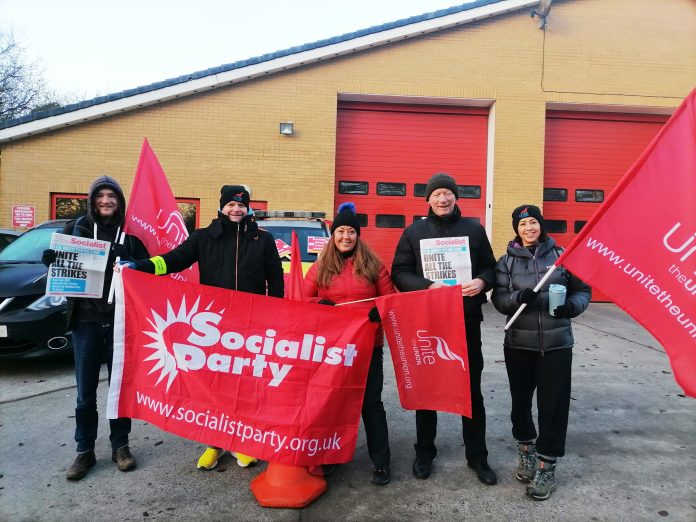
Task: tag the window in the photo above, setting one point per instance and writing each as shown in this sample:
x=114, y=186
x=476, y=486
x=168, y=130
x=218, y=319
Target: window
x=352, y=187
x=577, y=227
x=390, y=221
x=391, y=189
x=72, y=206
x=469, y=191
x=557, y=226
x=555, y=194
x=362, y=219
x=68, y=206
x=589, y=196
x=418, y=218
x=189, y=211
x=465, y=191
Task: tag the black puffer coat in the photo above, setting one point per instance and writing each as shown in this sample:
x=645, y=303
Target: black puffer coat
x=407, y=269
x=536, y=329
x=236, y=256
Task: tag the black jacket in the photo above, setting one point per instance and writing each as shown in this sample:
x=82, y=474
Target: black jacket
x=407, y=270
x=229, y=255
x=536, y=329
x=98, y=310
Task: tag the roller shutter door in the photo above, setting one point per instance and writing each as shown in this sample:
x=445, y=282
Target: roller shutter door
x=385, y=153
x=585, y=156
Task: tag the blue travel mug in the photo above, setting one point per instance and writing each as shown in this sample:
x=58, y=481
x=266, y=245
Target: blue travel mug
x=557, y=297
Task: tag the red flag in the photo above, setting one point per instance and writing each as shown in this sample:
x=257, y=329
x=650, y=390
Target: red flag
x=294, y=289
x=152, y=214
x=640, y=246
x=281, y=380
x=425, y=330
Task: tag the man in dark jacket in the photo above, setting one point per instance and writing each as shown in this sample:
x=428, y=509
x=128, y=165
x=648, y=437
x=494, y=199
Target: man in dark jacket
x=233, y=253
x=93, y=326
x=445, y=220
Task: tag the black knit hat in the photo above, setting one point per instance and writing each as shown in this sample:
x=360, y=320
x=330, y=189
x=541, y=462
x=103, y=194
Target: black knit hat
x=234, y=193
x=525, y=211
x=441, y=180
x=346, y=217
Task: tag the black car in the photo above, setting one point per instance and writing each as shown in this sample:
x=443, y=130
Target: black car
x=31, y=323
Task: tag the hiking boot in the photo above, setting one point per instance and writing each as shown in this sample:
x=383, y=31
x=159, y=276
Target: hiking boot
x=83, y=462
x=210, y=458
x=381, y=476
x=526, y=466
x=244, y=461
x=544, y=481
x=123, y=459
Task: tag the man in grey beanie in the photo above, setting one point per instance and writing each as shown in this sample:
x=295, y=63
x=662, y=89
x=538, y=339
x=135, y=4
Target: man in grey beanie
x=445, y=220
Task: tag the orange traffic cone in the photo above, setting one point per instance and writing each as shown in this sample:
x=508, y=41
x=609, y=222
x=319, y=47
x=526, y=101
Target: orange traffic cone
x=284, y=486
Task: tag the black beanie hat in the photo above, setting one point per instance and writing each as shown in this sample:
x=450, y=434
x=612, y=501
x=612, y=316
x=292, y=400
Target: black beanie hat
x=438, y=181
x=346, y=217
x=233, y=193
x=525, y=211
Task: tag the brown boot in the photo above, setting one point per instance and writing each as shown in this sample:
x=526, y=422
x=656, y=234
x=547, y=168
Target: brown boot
x=79, y=468
x=123, y=459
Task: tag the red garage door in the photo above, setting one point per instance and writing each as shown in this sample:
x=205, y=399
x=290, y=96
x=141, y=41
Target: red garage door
x=585, y=156
x=386, y=153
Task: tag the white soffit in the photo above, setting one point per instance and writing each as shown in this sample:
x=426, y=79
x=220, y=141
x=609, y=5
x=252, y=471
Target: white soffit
x=249, y=72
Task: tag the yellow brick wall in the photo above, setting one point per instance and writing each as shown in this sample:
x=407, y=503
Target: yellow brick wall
x=609, y=52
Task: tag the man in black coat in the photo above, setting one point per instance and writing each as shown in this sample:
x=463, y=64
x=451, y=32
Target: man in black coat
x=445, y=220
x=93, y=325
x=233, y=253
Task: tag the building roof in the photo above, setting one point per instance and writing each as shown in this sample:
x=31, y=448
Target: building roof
x=255, y=67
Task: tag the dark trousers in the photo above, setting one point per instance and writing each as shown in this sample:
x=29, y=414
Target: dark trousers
x=373, y=414
x=474, y=429
x=93, y=344
x=549, y=374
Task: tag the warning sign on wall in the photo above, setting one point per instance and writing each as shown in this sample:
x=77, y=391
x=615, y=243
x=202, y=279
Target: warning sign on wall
x=23, y=216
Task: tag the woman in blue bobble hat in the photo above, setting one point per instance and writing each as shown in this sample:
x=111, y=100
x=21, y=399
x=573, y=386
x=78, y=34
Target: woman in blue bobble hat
x=348, y=270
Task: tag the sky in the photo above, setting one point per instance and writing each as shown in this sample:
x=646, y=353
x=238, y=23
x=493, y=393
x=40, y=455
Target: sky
x=89, y=48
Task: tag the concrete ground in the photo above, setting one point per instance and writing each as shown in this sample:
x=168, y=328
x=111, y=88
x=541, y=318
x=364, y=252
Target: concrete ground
x=630, y=450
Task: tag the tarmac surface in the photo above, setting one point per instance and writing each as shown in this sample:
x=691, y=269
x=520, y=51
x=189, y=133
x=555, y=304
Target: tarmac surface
x=630, y=453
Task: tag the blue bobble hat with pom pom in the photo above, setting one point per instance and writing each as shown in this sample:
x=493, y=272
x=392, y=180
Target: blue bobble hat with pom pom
x=346, y=217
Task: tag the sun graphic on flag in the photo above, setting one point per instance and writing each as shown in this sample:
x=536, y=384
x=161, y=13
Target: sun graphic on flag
x=166, y=362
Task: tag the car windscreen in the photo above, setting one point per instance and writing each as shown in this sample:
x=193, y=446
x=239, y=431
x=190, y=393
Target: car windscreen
x=29, y=246
x=285, y=233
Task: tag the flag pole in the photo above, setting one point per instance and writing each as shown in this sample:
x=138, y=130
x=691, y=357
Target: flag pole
x=112, y=288
x=358, y=301
x=536, y=289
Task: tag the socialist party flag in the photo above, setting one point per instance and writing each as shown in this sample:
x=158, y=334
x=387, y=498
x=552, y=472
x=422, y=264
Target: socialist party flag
x=294, y=288
x=152, y=214
x=639, y=248
x=425, y=332
x=281, y=380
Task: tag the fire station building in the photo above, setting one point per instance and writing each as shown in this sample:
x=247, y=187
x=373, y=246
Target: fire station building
x=515, y=112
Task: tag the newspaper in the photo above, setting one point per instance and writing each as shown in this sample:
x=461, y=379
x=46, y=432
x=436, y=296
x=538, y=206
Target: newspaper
x=446, y=259
x=78, y=270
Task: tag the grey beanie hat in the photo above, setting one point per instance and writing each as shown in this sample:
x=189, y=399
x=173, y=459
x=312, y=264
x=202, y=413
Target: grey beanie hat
x=441, y=180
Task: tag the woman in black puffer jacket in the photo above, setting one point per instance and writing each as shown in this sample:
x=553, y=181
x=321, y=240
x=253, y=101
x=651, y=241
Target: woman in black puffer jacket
x=537, y=347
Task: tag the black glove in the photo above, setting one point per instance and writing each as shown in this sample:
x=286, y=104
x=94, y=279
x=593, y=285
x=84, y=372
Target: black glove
x=327, y=302
x=48, y=256
x=527, y=296
x=373, y=314
x=121, y=251
x=565, y=310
